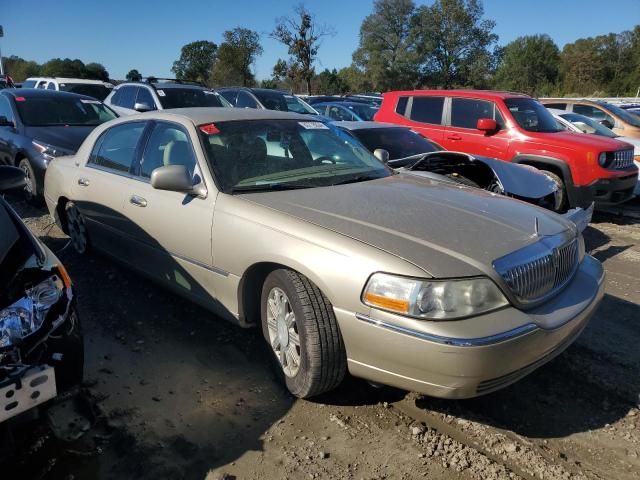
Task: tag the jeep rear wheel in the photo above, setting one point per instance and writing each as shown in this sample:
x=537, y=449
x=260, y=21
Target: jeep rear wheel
x=300, y=327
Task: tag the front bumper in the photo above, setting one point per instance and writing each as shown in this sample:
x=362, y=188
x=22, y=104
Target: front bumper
x=607, y=191
x=438, y=359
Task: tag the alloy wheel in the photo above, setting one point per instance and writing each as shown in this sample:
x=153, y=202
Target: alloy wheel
x=77, y=229
x=283, y=331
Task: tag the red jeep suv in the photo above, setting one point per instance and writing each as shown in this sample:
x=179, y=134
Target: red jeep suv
x=517, y=128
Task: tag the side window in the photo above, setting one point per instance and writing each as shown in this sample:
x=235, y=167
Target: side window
x=230, y=96
x=339, y=113
x=5, y=109
x=559, y=106
x=51, y=86
x=42, y=84
x=144, y=96
x=593, y=112
x=127, y=97
x=401, y=107
x=245, y=101
x=116, y=149
x=168, y=145
x=115, y=100
x=465, y=112
x=427, y=110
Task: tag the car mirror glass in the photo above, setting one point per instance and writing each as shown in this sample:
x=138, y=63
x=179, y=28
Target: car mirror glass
x=381, y=154
x=142, y=107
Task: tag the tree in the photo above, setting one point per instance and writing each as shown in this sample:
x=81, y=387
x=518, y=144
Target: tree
x=96, y=71
x=196, y=59
x=236, y=55
x=328, y=82
x=287, y=73
x=58, y=67
x=302, y=35
x=356, y=79
x=581, y=67
x=455, y=43
x=387, y=49
x=529, y=65
x=20, y=69
x=134, y=76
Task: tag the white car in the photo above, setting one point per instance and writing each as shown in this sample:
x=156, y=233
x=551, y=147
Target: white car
x=93, y=88
x=575, y=122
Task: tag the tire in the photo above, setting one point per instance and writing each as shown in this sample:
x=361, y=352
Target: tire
x=32, y=191
x=560, y=204
x=76, y=228
x=312, y=333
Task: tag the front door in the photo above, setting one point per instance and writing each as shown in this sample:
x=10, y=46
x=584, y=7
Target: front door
x=462, y=135
x=172, y=229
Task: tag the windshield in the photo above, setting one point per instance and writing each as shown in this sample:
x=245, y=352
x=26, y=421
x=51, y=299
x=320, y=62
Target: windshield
x=532, y=115
x=57, y=110
x=365, y=112
x=188, y=97
x=92, y=90
x=260, y=154
x=285, y=103
x=587, y=125
x=399, y=142
x=622, y=114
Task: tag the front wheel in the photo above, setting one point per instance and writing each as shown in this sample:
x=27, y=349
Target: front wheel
x=31, y=189
x=301, y=329
x=560, y=196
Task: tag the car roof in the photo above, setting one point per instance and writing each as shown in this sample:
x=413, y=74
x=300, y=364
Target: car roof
x=352, y=126
x=256, y=90
x=345, y=104
x=71, y=80
x=162, y=85
x=203, y=115
x=488, y=94
x=40, y=92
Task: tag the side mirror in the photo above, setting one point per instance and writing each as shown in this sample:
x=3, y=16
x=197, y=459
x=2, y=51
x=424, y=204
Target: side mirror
x=12, y=178
x=142, y=107
x=381, y=154
x=176, y=178
x=606, y=123
x=5, y=122
x=487, y=125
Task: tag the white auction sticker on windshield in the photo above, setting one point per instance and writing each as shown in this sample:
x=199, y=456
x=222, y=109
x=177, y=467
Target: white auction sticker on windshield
x=313, y=125
x=160, y=93
x=83, y=100
x=207, y=92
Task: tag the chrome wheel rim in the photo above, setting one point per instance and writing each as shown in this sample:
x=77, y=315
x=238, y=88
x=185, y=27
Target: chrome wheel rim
x=28, y=186
x=77, y=230
x=283, y=331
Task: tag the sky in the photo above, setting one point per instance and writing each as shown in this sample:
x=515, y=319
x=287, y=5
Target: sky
x=148, y=35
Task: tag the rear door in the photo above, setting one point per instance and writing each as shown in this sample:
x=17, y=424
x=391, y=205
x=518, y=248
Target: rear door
x=172, y=231
x=426, y=114
x=101, y=185
x=463, y=136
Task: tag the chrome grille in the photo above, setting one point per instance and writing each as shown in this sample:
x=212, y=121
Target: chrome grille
x=541, y=273
x=622, y=159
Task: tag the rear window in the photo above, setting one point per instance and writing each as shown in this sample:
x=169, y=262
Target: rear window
x=57, y=110
x=427, y=110
x=28, y=84
x=401, y=107
x=92, y=90
x=188, y=97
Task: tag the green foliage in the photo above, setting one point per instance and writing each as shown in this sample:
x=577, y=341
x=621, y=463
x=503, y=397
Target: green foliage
x=530, y=65
x=96, y=71
x=302, y=35
x=19, y=68
x=134, y=76
x=328, y=82
x=236, y=55
x=195, y=62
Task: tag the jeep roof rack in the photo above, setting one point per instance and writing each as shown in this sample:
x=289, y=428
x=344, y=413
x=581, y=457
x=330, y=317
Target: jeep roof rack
x=155, y=80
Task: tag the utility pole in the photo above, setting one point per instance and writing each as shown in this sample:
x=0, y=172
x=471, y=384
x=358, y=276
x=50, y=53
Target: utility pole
x=1, y=67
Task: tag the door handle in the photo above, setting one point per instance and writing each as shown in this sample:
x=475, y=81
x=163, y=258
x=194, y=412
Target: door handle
x=454, y=137
x=138, y=201
x=83, y=182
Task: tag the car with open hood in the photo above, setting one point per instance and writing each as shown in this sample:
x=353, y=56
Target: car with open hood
x=291, y=225
x=36, y=126
x=41, y=348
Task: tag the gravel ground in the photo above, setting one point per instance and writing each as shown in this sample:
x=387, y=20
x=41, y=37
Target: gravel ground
x=173, y=392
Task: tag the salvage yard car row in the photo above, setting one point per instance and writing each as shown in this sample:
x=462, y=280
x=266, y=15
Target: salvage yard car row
x=328, y=241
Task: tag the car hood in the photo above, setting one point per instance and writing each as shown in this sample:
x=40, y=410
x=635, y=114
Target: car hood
x=69, y=138
x=445, y=230
x=570, y=140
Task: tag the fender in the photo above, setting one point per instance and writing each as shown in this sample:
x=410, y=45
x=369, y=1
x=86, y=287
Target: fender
x=541, y=160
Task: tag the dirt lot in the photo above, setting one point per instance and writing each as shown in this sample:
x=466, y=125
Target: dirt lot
x=173, y=392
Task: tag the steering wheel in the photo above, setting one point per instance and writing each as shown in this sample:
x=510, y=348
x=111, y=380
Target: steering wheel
x=325, y=159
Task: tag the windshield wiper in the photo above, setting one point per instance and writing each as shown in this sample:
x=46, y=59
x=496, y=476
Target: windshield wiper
x=266, y=187
x=357, y=179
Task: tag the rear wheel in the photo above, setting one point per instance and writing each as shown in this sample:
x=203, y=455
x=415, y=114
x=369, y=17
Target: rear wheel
x=76, y=228
x=301, y=329
x=560, y=196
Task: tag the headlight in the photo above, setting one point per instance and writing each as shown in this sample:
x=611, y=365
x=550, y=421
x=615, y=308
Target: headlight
x=432, y=299
x=49, y=152
x=602, y=159
x=27, y=314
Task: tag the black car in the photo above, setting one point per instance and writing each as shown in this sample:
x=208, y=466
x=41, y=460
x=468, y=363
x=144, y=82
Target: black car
x=265, y=99
x=38, y=125
x=41, y=345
